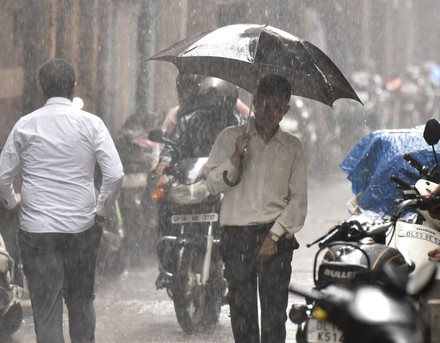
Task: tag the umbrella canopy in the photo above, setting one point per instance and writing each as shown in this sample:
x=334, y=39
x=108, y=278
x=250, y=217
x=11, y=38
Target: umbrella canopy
x=244, y=53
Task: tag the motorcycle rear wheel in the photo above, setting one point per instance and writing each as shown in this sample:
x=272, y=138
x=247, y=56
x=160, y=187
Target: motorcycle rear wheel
x=197, y=307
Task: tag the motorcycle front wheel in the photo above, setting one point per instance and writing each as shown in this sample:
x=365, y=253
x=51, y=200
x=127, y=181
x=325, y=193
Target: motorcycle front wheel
x=11, y=321
x=197, y=306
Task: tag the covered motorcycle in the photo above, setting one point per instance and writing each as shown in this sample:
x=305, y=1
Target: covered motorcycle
x=376, y=158
x=408, y=158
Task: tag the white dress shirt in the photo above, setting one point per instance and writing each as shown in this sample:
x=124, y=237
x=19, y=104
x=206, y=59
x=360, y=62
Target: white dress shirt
x=273, y=186
x=57, y=147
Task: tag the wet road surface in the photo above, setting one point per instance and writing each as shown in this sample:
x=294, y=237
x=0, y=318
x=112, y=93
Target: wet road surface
x=130, y=309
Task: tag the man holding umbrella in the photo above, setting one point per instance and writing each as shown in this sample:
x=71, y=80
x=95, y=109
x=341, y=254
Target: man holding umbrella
x=261, y=214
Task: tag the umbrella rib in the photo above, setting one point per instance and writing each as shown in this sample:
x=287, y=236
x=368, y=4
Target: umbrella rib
x=255, y=51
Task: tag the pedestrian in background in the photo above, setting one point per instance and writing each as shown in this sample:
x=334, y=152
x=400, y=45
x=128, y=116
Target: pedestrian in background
x=187, y=86
x=56, y=147
x=193, y=138
x=261, y=214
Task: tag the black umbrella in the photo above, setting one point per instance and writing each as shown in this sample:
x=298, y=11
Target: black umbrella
x=244, y=53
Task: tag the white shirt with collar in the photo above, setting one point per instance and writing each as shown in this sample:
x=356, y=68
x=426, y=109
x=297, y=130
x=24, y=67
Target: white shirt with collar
x=273, y=186
x=56, y=147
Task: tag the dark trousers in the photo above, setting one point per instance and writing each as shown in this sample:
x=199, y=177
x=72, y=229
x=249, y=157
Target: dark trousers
x=248, y=278
x=58, y=265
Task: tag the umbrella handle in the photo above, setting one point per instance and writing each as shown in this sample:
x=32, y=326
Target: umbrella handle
x=240, y=172
x=240, y=167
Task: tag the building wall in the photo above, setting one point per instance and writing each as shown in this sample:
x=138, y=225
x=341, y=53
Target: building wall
x=109, y=41
x=11, y=68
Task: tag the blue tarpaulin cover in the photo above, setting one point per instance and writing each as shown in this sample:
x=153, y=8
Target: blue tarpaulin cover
x=379, y=155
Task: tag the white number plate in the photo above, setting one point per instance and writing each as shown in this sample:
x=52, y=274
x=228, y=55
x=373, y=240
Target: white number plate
x=321, y=331
x=194, y=218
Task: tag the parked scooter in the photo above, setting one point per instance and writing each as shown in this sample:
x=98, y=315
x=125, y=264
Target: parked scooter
x=365, y=311
x=415, y=235
x=191, y=268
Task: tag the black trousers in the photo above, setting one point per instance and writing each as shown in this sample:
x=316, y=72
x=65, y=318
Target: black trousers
x=57, y=266
x=248, y=278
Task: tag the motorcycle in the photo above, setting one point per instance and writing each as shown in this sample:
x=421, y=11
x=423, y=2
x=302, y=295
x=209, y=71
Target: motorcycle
x=11, y=293
x=351, y=248
x=112, y=260
x=11, y=276
x=416, y=234
x=138, y=155
x=190, y=265
x=366, y=244
x=365, y=311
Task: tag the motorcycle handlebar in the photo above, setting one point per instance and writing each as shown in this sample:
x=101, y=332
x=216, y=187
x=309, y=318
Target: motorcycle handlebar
x=334, y=234
x=400, y=183
x=420, y=202
x=326, y=238
x=416, y=164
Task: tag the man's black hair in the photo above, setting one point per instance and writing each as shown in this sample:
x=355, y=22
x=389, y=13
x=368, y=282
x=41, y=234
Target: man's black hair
x=275, y=85
x=57, y=78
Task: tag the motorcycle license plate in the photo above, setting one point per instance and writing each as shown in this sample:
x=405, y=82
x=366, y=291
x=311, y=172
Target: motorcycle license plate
x=194, y=218
x=321, y=331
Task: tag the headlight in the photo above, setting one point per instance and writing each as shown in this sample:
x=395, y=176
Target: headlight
x=189, y=194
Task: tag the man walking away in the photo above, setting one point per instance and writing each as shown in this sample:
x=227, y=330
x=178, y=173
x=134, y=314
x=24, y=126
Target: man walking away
x=61, y=221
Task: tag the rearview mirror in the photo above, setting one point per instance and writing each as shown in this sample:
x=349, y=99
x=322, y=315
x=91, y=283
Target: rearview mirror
x=156, y=136
x=431, y=134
